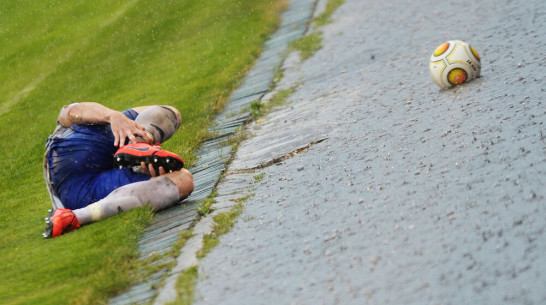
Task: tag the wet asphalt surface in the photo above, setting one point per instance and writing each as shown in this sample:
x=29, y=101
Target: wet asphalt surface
x=412, y=195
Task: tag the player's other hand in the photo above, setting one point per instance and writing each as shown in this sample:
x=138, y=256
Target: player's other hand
x=150, y=170
x=123, y=128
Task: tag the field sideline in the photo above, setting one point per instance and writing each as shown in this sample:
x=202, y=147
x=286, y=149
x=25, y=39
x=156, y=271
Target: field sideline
x=189, y=54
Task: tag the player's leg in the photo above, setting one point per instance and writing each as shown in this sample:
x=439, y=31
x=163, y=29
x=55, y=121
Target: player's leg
x=158, y=193
x=183, y=180
x=160, y=122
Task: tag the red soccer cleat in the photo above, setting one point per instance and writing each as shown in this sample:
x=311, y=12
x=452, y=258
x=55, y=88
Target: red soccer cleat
x=135, y=153
x=59, y=222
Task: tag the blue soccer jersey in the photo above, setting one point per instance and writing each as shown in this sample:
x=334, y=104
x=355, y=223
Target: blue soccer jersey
x=79, y=165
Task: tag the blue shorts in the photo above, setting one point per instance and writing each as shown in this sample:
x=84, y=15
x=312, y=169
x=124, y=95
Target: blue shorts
x=80, y=164
x=87, y=188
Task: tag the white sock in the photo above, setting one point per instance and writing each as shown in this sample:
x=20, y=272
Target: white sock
x=159, y=193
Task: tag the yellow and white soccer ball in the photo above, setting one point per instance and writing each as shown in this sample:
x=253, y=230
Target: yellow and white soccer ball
x=453, y=63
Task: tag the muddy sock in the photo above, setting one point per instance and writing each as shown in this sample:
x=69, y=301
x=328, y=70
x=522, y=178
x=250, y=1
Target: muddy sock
x=158, y=193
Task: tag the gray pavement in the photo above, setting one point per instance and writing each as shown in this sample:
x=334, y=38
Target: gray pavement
x=413, y=195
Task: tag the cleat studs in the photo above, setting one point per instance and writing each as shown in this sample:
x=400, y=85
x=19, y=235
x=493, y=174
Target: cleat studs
x=167, y=160
x=155, y=160
x=50, y=210
x=170, y=171
x=118, y=159
x=46, y=218
x=121, y=167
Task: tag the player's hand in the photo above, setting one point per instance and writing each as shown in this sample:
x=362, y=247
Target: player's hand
x=150, y=170
x=123, y=128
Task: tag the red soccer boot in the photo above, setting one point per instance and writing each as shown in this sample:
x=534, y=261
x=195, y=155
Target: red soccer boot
x=59, y=222
x=135, y=153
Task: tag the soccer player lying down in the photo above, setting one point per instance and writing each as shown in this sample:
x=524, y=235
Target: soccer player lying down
x=100, y=162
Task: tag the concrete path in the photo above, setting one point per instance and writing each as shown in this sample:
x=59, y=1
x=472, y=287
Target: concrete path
x=411, y=194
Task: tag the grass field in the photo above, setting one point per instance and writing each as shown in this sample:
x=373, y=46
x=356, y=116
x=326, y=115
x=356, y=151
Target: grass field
x=190, y=54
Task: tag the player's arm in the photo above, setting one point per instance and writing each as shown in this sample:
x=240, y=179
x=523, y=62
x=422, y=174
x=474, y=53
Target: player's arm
x=85, y=113
x=95, y=113
x=89, y=113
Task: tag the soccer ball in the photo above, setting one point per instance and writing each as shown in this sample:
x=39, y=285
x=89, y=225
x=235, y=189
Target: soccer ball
x=453, y=63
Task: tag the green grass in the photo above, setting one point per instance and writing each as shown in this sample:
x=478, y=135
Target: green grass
x=206, y=204
x=223, y=222
x=308, y=45
x=331, y=7
x=190, y=54
x=186, y=286
x=259, y=177
x=311, y=43
x=259, y=109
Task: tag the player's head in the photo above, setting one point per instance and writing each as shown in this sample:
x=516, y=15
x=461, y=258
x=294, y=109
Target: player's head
x=160, y=121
